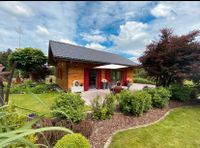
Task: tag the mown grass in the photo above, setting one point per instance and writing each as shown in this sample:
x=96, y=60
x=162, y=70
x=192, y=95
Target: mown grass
x=180, y=129
x=39, y=103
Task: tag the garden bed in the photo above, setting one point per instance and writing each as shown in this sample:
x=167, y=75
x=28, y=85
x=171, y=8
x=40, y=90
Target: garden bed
x=104, y=129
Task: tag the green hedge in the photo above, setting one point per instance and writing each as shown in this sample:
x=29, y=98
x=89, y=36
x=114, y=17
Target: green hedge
x=142, y=80
x=72, y=141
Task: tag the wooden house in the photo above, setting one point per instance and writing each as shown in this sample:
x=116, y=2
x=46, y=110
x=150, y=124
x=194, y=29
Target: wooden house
x=87, y=66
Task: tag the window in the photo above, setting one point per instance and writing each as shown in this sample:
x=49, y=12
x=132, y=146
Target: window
x=116, y=75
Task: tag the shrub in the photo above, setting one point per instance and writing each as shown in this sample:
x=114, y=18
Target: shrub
x=143, y=80
x=103, y=110
x=70, y=106
x=109, y=104
x=135, y=103
x=11, y=118
x=73, y=141
x=180, y=92
x=36, y=88
x=96, y=107
x=141, y=102
x=18, y=89
x=160, y=96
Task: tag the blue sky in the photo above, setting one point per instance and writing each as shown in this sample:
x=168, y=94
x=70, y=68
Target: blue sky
x=124, y=28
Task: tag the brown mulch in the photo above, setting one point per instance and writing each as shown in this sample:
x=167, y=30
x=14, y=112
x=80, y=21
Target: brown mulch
x=104, y=129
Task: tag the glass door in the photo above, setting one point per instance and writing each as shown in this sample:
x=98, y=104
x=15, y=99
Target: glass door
x=92, y=78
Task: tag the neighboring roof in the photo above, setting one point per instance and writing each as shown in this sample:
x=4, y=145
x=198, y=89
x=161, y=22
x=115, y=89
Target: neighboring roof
x=72, y=52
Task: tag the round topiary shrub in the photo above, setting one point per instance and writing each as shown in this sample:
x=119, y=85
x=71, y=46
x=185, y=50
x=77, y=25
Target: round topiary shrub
x=72, y=141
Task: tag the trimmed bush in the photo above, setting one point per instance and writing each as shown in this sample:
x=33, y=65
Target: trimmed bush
x=160, y=96
x=72, y=141
x=180, y=92
x=103, y=110
x=135, y=103
x=70, y=106
x=142, y=80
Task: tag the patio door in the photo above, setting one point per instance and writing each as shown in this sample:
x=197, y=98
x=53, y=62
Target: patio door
x=92, y=78
x=116, y=75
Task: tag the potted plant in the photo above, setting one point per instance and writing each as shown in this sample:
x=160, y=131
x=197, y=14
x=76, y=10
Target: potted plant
x=104, y=82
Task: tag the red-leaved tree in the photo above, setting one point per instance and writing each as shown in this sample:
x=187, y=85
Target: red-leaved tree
x=173, y=58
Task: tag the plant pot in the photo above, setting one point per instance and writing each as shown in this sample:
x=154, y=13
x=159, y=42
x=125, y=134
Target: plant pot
x=104, y=85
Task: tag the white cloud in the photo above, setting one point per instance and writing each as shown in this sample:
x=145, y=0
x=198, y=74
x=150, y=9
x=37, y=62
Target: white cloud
x=95, y=46
x=42, y=31
x=132, y=38
x=93, y=38
x=161, y=10
x=16, y=8
x=68, y=41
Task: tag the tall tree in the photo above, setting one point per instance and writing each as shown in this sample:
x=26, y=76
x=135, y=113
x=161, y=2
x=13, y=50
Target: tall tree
x=4, y=57
x=28, y=59
x=172, y=58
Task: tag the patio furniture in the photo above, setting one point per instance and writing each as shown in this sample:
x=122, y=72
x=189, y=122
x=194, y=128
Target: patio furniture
x=116, y=88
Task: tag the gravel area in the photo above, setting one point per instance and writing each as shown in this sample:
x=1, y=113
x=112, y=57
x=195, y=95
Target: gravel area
x=104, y=129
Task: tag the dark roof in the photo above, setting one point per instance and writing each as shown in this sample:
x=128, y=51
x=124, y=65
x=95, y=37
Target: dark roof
x=66, y=51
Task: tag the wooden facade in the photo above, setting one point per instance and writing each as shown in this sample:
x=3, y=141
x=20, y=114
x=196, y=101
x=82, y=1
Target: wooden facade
x=68, y=71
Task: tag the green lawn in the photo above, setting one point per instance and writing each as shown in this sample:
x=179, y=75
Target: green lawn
x=40, y=103
x=181, y=129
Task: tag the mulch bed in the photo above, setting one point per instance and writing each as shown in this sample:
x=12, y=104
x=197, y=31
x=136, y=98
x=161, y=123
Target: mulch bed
x=104, y=129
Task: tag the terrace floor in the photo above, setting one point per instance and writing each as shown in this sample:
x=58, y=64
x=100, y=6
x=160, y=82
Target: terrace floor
x=93, y=93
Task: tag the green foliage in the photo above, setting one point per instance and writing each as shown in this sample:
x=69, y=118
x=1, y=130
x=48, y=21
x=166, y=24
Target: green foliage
x=140, y=72
x=103, y=110
x=11, y=119
x=70, y=106
x=109, y=104
x=73, y=141
x=37, y=88
x=28, y=59
x=180, y=92
x=142, y=80
x=160, y=96
x=52, y=70
x=96, y=107
x=4, y=57
x=135, y=103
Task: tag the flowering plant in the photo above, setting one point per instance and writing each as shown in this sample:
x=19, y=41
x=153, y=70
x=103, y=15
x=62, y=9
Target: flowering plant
x=103, y=80
x=128, y=80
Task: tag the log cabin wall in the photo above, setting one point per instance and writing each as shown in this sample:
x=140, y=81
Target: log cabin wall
x=130, y=74
x=67, y=72
x=61, y=71
x=76, y=72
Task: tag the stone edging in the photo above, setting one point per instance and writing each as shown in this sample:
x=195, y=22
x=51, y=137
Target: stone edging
x=108, y=142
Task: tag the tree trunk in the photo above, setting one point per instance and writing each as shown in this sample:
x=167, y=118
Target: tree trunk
x=9, y=82
x=1, y=93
